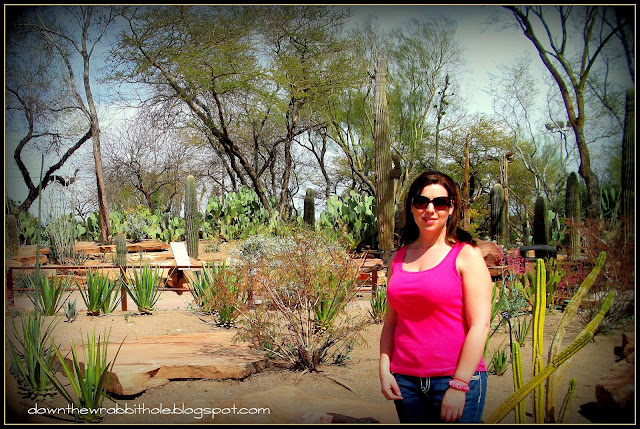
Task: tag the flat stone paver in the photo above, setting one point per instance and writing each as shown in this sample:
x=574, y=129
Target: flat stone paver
x=153, y=361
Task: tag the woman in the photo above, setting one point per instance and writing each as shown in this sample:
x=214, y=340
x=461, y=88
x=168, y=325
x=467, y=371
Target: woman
x=438, y=317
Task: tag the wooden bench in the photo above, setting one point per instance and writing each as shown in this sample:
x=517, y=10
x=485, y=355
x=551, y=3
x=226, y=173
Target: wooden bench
x=178, y=277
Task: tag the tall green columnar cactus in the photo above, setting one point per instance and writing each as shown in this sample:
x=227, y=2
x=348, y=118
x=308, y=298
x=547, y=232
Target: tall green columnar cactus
x=539, y=312
x=540, y=221
x=572, y=212
x=121, y=249
x=385, y=204
x=553, y=383
x=309, y=215
x=627, y=179
x=191, y=220
x=518, y=380
x=497, y=212
x=555, y=359
x=13, y=239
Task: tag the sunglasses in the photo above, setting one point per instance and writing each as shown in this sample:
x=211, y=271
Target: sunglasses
x=439, y=203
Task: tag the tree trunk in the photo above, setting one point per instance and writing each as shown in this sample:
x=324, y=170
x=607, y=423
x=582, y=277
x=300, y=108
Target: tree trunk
x=384, y=183
x=97, y=157
x=627, y=179
x=466, y=221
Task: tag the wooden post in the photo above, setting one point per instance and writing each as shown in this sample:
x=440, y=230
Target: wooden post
x=123, y=290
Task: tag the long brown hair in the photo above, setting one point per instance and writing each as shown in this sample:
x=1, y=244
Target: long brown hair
x=454, y=234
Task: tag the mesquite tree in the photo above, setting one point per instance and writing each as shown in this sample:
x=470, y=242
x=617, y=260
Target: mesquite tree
x=628, y=152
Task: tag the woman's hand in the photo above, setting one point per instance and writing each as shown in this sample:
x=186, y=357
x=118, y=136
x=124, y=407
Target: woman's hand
x=389, y=387
x=452, y=405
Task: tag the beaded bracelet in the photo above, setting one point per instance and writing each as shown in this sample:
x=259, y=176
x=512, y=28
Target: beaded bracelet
x=454, y=384
x=460, y=380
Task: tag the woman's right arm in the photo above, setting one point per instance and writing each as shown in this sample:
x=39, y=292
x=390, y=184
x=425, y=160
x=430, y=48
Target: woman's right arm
x=388, y=384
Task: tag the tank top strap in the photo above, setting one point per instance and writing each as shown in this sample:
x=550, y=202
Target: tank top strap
x=399, y=258
x=455, y=251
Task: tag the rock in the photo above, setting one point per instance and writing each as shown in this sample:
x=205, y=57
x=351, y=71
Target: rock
x=615, y=393
x=290, y=404
x=148, y=362
x=491, y=252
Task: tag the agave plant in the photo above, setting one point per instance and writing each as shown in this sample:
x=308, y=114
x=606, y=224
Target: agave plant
x=70, y=311
x=144, y=287
x=98, y=296
x=49, y=293
x=33, y=356
x=378, y=301
x=88, y=377
x=219, y=290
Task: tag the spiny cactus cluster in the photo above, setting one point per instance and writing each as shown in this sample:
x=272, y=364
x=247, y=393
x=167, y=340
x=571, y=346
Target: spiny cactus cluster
x=544, y=396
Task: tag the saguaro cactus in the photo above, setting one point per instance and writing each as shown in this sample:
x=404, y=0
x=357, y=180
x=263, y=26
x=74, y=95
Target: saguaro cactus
x=384, y=181
x=13, y=239
x=497, y=212
x=309, y=215
x=191, y=220
x=540, y=221
x=572, y=212
x=121, y=249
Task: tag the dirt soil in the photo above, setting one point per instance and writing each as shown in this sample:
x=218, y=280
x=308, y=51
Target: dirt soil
x=175, y=315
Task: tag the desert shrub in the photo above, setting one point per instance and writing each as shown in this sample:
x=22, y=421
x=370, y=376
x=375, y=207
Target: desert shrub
x=306, y=288
x=618, y=273
x=219, y=290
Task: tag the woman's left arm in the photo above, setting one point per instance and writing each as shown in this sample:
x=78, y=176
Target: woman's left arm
x=476, y=289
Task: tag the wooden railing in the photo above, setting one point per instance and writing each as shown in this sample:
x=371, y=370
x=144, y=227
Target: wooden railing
x=173, y=277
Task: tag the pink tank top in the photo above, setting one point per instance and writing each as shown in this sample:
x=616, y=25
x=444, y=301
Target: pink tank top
x=431, y=325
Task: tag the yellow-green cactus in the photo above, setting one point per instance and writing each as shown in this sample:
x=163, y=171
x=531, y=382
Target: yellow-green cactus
x=582, y=340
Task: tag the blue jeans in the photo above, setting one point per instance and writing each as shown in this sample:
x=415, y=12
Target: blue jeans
x=422, y=398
